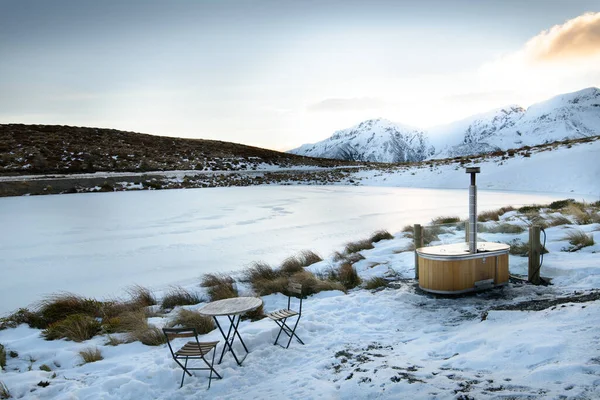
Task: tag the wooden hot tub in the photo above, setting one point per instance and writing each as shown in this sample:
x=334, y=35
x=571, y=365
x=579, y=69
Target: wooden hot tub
x=452, y=269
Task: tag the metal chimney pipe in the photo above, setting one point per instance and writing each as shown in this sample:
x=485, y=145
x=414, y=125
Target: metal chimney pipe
x=473, y=210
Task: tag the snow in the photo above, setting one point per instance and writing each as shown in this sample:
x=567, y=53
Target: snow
x=387, y=344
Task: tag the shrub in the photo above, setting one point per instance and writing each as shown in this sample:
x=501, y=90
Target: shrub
x=445, y=220
x=141, y=296
x=579, y=239
x=4, y=392
x=348, y=276
x=559, y=220
x=557, y=205
x=193, y=319
x=375, y=283
x=355, y=247
x=2, y=357
x=76, y=327
x=91, y=354
x=219, y=286
x=59, y=306
x=380, y=235
x=178, y=296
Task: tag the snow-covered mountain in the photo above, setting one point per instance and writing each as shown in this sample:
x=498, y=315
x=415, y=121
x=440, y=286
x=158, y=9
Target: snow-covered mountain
x=372, y=140
x=567, y=116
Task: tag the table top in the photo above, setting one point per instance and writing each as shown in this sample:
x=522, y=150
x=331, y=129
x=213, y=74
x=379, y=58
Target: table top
x=233, y=306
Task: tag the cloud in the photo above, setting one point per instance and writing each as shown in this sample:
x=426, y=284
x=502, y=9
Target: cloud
x=339, y=104
x=576, y=38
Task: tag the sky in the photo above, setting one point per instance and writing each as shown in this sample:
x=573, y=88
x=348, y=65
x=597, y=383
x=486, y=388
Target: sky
x=278, y=74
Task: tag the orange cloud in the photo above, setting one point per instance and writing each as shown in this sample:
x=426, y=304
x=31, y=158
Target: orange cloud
x=576, y=38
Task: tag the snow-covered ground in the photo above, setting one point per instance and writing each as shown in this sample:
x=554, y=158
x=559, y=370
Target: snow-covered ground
x=393, y=343
x=96, y=244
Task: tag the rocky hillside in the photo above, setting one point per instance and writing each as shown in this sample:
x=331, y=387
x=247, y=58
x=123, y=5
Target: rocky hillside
x=373, y=140
x=568, y=116
x=68, y=149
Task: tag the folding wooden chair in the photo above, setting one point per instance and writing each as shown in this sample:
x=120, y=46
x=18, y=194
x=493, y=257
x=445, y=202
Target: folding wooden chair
x=193, y=350
x=280, y=316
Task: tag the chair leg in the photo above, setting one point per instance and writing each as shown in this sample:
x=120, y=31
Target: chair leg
x=281, y=325
x=293, y=333
x=212, y=368
x=184, y=371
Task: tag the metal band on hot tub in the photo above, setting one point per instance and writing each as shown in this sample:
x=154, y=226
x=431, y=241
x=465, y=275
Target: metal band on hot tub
x=458, y=257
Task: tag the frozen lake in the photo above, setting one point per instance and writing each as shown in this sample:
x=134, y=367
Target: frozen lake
x=97, y=244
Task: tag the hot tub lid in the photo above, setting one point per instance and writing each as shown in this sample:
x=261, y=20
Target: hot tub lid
x=462, y=249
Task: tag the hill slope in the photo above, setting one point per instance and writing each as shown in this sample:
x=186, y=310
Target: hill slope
x=68, y=149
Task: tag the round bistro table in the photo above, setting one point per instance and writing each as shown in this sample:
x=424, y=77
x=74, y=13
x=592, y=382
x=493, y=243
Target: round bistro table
x=232, y=309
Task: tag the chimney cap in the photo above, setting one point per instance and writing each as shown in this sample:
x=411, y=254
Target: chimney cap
x=473, y=170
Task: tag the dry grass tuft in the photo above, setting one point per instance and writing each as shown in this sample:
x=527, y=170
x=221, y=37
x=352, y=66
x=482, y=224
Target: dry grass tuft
x=294, y=264
x=579, y=239
x=57, y=307
x=193, y=319
x=113, y=341
x=355, y=247
x=150, y=336
x=558, y=220
x=4, y=392
x=494, y=215
x=178, y=296
x=255, y=315
x=348, y=276
x=380, y=235
x=445, y=220
x=518, y=248
x=501, y=228
x=581, y=215
x=91, y=354
x=375, y=283
x=22, y=316
x=141, y=296
x=259, y=271
x=311, y=284
x=219, y=286
x=76, y=327
x=265, y=287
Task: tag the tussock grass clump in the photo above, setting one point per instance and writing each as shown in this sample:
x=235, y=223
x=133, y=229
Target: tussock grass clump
x=265, y=287
x=193, y=319
x=351, y=258
x=579, y=239
x=178, y=296
x=255, y=315
x=558, y=220
x=430, y=233
x=22, y=316
x=581, y=214
x=558, y=204
x=259, y=271
x=91, y=354
x=532, y=208
x=380, y=235
x=141, y=296
x=45, y=368
x=4, y=392
x=518, y=248
x=445, y=220
x=501, y=228
x=151, y=336
x=355, y=247
x=348, y=276
x=76, y=327
x=493, y=215
x=2, y=357
x=311, y=284
x=113, y=341
x=57, y=307
x=375, y=283
x=219, y=286
x=294, y=264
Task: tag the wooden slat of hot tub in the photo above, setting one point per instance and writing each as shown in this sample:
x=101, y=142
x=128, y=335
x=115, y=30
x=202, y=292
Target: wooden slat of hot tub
x=461, y=275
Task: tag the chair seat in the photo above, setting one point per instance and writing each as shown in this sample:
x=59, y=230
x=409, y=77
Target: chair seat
x=281, y=314
x=191, y=349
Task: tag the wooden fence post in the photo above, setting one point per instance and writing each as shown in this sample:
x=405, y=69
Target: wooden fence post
x=535, y=250
x=467, y=231
x=418, y=238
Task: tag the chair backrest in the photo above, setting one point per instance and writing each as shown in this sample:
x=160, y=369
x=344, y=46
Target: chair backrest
x=174, y=333
x=292, y=289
